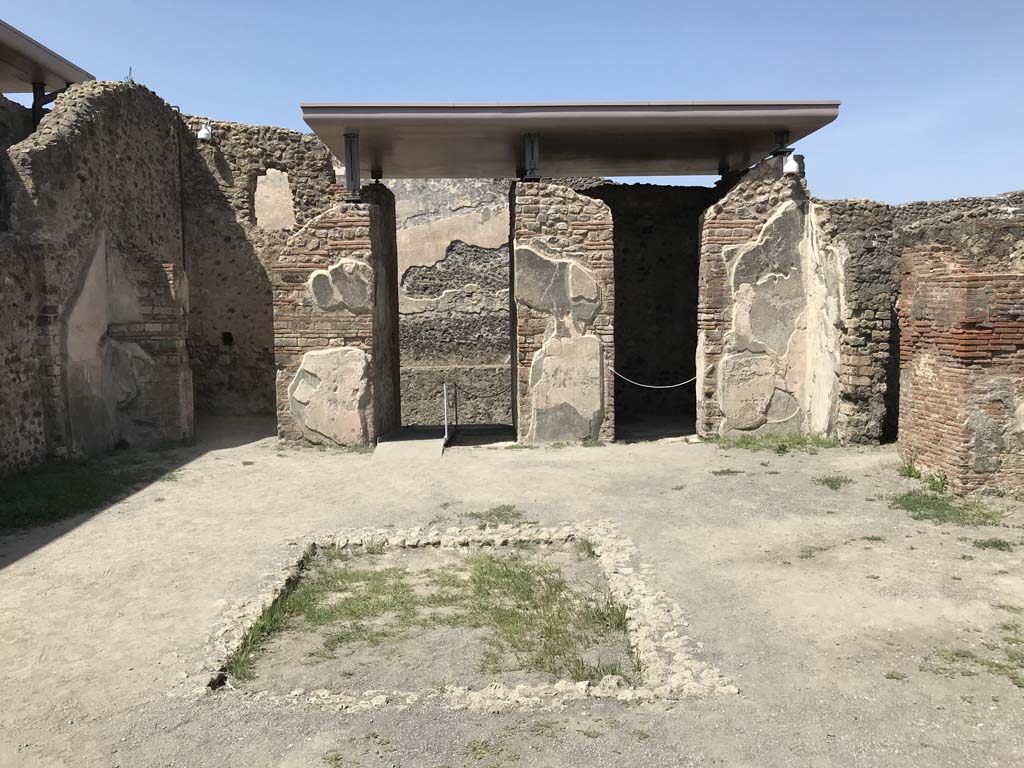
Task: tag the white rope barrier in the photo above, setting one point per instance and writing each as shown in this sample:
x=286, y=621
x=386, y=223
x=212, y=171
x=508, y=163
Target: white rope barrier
x=653, y=386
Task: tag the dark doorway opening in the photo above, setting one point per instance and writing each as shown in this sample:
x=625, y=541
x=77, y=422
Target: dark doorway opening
x=657, y=257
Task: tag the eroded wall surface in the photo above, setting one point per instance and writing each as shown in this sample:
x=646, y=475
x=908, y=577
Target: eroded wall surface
x=336, y=324
x=453, y=298
x=961, y=311
x=768, y=351
x=92, y=257
x=245, y=192
x=564, y=288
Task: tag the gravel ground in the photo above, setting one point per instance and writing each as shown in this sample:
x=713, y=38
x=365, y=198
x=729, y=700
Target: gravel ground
x=105, y=618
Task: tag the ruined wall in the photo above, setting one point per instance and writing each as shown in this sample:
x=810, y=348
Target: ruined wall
x=455, y=329
x=15, y=122
x=961, y=312
x=246, y=192
x=858, y=235
x=92, y=257
x=454, y=323
x=564, y=287
x=657, y=247
x=768, y=354
x=336, y=382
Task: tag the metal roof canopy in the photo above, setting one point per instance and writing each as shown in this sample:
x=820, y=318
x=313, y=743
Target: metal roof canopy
x=418, y=141
x=24, y=62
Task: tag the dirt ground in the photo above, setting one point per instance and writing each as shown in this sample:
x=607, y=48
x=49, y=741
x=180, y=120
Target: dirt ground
x=825, y=607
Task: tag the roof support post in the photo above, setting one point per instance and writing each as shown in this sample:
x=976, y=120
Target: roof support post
x=531, y=164
x=352, y=166
x=38, y=101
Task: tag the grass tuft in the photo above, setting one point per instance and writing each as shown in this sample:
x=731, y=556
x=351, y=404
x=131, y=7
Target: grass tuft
x=777, y=443
x=925, y=505
x=503, y=514
x=907, y=469
x=835, y=482
x=1001, y=544
x=726, y=472
x=586, y=548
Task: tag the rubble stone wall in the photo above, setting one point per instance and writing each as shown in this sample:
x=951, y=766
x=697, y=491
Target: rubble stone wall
x=92, y=234
x=245, y=192
x=564, y=288
x=335, y=315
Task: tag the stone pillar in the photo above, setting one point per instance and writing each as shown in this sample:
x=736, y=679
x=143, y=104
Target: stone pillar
x=564, y=286
x=336, y=324
x=962, y=369
x=768, y=355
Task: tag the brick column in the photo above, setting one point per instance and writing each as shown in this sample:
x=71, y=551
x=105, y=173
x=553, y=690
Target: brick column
x=962, y=370
x=564, y=288
x=336, y=324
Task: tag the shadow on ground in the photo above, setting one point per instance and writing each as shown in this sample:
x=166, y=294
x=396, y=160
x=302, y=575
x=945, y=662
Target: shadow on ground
x=43, y=503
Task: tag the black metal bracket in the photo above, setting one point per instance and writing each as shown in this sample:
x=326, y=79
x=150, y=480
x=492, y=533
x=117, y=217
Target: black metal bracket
x=40, y=98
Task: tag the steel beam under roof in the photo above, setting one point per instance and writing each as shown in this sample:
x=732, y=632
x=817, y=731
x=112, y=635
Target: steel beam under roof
x=24, y=62
x=419, y=141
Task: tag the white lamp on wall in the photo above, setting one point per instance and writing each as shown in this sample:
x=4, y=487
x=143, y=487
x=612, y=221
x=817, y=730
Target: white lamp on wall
x=790, y=165
x=205, y=133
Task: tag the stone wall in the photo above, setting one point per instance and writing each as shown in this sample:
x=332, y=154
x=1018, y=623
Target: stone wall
x=455, y=330
x=768, y=355
x=93, y=238
x=335, y=324
x=962, y=341
x=858, y=235
x=454, y=302
x=246, y=192
x=15, y=122
x=564, y=288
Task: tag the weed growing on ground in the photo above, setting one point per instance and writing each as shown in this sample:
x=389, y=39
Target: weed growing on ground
x=1005, y=657
x=936, y=483
x=591, y=442
x=809, y=551
x=925, y=505
x=537, y=620
x=1009, y=608
x=503, y=514
x=586, y=548
x=61, y=489
x=726, y=472
x=360, y=448
x=520, y=446
x=894, y=675
x=909, y=470
x=835, y=482
x=780, y=444
x=1001, y=544
x=872, y=538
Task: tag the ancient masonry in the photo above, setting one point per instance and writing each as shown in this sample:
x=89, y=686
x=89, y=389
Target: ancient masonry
x=336, y=325
x=147, y=276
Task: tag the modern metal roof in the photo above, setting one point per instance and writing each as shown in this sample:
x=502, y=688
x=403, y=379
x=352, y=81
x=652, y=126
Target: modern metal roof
x=582, y=139
x=23, y=61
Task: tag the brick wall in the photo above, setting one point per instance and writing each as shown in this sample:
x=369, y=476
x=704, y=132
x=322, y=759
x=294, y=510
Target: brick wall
x=573, y=228
x=962, y=360
x=357, y=233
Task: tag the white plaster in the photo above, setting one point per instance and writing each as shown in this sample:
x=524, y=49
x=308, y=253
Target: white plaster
x=272, y=202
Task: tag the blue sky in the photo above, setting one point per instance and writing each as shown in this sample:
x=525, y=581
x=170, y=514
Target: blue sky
x=933, y=92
